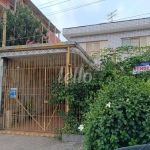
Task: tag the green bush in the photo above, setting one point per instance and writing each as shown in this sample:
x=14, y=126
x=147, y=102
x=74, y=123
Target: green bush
x=120, y=115
x=79, y=95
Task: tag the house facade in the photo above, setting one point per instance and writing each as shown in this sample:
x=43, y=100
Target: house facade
x=28, y=70
x=53, y=33
x=92, y=38
x=38, y=57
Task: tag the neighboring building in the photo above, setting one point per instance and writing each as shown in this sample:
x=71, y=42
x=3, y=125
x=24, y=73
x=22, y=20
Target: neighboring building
x=53, y=33
x=92, y=38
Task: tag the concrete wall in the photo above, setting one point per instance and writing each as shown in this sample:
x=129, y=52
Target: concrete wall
x=114, y=39
x=52, y=37
x=110, y=27
x=113, y=32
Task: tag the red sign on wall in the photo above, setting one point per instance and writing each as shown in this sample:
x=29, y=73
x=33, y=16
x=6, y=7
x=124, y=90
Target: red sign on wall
x=142, y=68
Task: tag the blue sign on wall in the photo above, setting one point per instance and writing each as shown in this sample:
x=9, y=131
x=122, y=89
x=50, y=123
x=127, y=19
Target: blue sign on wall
x=13, y=93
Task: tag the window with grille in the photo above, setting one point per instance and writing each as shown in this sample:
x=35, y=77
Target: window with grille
x=140, y=41
x=94, y=48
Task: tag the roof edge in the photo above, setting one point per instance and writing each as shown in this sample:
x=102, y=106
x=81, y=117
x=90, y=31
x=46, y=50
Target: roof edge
x=107, y=23
x=36, y=46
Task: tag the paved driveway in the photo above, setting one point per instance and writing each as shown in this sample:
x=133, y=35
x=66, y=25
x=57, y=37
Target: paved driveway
x=22, y=142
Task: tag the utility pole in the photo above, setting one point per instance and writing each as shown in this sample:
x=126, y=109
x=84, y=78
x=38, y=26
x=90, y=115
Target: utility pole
x=4, y=28
x=112, y=15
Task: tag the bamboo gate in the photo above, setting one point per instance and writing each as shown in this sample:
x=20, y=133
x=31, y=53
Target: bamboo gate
x=31, y=75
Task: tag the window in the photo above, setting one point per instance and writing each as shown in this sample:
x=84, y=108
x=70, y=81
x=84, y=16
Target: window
x=143, y=41
x=126, y=42
x=103, y=44
x=135, y=42
x=89, y=47
x=94, y=48
x=148, y=41
x=83, y=45
x=140, y=41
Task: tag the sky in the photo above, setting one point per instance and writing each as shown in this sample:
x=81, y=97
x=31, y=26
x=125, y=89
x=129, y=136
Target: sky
x=92, y=14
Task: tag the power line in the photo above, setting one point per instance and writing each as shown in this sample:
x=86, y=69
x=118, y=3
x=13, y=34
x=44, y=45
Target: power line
x=113, y=20
x=76, y=7
x=47, y=3
x=55, y=4
x=42, y=34
x=119, y=19
x=132, y=17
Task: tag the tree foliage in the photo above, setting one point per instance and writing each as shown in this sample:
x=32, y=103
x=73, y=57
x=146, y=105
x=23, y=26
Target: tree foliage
x=21, y=25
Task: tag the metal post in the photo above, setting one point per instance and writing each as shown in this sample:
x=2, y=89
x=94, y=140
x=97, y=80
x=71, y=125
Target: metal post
x=49, y=31
x=59, y=35
x=3, y=90
x=55, y=34
x=114, y=56
x=67, y=76
x=1, y=85
x=45, y=102
x=42, y=34
x=4, y=28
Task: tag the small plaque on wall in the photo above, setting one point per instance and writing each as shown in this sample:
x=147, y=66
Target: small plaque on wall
x=13, y=93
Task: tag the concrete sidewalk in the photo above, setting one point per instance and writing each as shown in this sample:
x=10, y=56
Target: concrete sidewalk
x=23, y=142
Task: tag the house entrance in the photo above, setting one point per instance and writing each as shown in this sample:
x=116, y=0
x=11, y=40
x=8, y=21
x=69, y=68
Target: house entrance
x=32, y=109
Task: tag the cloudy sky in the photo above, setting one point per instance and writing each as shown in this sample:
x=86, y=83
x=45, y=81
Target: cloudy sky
x=96, y=12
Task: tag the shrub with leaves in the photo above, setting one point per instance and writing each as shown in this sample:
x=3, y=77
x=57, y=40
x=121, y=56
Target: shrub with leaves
x=120, y=115
x=79, y=95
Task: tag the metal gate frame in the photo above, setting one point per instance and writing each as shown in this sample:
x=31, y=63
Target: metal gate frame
x=47, y=119
x=68, y=60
